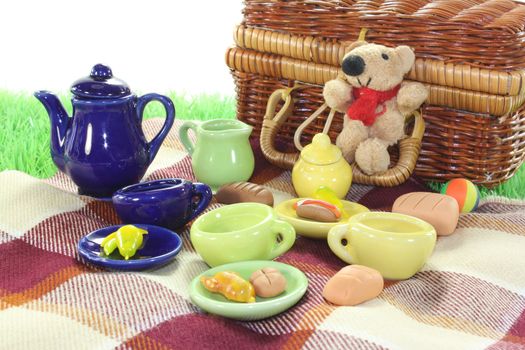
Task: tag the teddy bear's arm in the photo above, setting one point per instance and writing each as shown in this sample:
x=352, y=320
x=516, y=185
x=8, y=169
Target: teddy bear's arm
x=338, y=95
x=410, y=97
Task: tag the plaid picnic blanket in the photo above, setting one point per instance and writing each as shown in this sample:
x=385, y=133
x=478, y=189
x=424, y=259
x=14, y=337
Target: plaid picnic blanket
x=470, y=294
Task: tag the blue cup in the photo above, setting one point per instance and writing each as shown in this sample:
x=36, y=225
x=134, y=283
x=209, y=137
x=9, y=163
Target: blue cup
x=170, y=203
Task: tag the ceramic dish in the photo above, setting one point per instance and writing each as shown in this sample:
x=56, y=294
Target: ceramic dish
x=241, y=232
x=102, y=146
x=394, y=244
x=160, y=246
x=169, y=203
x=314, y=229
x=215, y=303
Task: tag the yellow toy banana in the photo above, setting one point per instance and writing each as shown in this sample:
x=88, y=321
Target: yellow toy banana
x=128, y=239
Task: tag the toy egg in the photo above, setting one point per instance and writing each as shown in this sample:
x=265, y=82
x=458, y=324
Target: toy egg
x=321, y=164
x=465, y=192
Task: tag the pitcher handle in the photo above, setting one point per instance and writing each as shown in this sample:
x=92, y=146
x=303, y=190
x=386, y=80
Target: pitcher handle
x=204, y=193
x=184, y=138
x=154, y=145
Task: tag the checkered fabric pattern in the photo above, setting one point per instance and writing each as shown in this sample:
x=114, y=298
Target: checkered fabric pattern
x=470, y=294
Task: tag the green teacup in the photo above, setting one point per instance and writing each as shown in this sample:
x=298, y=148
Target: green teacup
x=239, y=232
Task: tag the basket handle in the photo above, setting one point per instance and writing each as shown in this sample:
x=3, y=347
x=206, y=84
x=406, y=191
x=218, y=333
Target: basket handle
x=272, y=122
x=315, y=115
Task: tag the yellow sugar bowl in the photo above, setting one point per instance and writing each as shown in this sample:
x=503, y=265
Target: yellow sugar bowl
x=321, y=164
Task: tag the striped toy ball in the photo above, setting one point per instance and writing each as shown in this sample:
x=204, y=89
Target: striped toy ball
x=465, y=192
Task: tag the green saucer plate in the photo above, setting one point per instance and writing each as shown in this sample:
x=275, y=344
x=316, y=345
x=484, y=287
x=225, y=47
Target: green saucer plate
x=310, y=228
x=215, y=303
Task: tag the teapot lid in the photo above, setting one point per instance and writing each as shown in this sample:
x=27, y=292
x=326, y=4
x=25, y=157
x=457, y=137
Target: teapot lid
x=100, y=84
x=321, y=151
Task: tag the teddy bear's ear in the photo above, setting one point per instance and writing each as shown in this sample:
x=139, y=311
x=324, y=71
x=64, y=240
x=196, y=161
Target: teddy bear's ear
x=406, y=57
x=354, y=45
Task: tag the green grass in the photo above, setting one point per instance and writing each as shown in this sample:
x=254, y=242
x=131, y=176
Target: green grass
x=24, y=133
x=514, y=188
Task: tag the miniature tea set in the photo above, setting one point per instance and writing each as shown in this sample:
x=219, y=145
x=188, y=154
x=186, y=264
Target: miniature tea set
x=222, y=145
x=102, y=146
x=262, y=307
x=160, y=246
x=103, y=149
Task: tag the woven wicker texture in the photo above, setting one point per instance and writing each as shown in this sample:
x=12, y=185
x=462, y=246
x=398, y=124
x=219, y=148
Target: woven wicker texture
x=432, y=71
x=398, y=173
x=470, y=55
x=486, y=149
x=249, y=61
x=484, y=34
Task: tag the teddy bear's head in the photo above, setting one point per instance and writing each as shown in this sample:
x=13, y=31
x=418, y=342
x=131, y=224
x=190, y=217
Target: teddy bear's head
x=376, y=66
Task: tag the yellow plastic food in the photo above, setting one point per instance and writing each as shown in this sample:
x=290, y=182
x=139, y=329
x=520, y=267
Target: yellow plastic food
x=326, y=194
x=231, y=286
x=128, y=239
x=109, y=244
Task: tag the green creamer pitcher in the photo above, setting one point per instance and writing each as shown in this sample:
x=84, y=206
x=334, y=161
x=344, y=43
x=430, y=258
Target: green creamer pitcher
x=222, y=153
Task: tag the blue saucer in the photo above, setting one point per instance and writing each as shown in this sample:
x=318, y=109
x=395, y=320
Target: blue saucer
x=160, y=246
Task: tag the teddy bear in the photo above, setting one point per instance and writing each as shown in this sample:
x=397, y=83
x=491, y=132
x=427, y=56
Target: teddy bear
x=375, y=100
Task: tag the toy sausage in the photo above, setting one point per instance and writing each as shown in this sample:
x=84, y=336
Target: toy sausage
x=317, y=210
x=244, y=192
x=439, y=210
x=353, y=285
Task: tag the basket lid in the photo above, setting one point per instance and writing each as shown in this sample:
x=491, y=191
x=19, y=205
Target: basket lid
x=100, y=84
x=321, y=151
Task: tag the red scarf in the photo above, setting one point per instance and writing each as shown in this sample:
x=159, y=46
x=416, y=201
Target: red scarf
x=366, y=101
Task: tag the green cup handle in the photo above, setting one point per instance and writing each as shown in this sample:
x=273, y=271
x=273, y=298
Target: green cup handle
x=335, y=236
x=184, y=138
x=287, y=233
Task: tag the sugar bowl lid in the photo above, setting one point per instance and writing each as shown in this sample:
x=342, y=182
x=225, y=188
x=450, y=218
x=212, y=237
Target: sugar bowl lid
x=321, y=151
x=100, y=84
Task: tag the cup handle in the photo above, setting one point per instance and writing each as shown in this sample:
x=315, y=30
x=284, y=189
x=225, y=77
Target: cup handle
x=335, y=235
x=204, y=193
x=287, y=233
x=184, y=138
x=154, y=144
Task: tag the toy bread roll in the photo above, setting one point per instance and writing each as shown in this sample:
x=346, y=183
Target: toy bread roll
x=441, y=211
x=268, y=282
x=353, y=285
x=239, y=192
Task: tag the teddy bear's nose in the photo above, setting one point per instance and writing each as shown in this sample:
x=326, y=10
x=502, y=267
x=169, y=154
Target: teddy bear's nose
x=353, y=65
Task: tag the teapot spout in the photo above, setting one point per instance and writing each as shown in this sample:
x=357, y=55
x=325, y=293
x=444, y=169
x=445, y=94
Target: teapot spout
x=60, y=122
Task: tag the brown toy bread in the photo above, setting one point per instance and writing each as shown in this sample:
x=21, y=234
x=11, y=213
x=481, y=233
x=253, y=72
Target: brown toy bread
x=239, y=192
x=439, y=210
x=268, y=282
x=353, y=285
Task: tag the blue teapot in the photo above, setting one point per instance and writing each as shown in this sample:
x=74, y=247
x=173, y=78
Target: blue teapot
x=102, y=147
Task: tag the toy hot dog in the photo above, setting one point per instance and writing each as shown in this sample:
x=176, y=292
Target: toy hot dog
x=317, y=210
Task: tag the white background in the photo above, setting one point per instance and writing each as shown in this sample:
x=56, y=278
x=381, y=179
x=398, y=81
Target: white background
x=153, y=45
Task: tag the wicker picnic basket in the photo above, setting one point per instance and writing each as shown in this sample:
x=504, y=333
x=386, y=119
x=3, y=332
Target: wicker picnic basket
x=470, y=56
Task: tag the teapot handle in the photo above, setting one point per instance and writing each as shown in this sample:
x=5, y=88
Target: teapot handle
x=154, y=144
